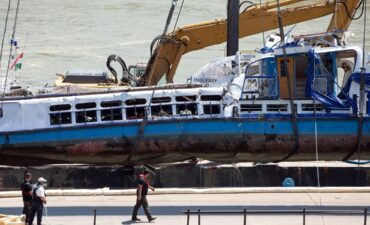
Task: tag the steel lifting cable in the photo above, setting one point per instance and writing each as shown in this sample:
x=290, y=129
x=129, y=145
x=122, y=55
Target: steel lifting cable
x=143, y=123
x=10, y=55
x=362, y=95
x=2, y=41
x=291, y=101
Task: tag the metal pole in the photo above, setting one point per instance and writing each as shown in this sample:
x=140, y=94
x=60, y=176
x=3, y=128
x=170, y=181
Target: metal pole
x=365, y=216
x=232, y=27
x=198, y=216
x=245, y=216
x=304, y=216
x=188, y=217
x=94, y=216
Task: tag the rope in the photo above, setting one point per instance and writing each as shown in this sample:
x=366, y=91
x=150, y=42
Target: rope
x=4, y=33
x=317, y=160
x=10, y=54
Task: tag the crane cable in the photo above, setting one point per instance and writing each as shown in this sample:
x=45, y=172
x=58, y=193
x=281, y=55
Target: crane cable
x=10, y=56
x=141, y=128
x=291, y=100
x=362, y=99
x=4, y=33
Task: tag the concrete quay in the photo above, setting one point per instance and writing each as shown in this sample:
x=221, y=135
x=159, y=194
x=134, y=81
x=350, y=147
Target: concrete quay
x=168, y=208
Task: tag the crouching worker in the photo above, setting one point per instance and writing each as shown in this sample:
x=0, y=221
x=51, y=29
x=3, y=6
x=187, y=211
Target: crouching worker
x=38, y=201
x=142, y=190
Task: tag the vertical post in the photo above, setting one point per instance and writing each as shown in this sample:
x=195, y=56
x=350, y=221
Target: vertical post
x=245, y=216
x=188, y=217
x=304, y=216
x=198, y=216
x=365, y=216
x=232, y=27
x=94, y=216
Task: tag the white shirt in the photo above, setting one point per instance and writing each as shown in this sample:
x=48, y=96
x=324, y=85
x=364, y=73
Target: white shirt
x=40, y=192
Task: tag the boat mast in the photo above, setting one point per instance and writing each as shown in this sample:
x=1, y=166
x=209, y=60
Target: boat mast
x=232, y=27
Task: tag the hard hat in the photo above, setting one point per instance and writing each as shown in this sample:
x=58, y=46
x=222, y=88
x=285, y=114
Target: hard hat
x=42, y=180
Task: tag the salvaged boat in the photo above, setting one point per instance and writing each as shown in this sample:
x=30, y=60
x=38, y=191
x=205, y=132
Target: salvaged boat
x=288, y=102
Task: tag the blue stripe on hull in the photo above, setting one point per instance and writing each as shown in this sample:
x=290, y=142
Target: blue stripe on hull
x=330, y=127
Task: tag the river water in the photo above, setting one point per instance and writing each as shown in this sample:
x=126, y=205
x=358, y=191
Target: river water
x=69, y=34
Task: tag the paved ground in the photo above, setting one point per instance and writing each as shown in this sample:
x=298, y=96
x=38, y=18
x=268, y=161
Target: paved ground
x=116, y=210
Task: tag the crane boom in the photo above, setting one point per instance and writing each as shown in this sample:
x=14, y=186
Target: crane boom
x=254, y=20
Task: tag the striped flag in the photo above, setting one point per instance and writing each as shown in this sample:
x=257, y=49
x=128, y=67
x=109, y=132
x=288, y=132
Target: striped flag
x=16, y=64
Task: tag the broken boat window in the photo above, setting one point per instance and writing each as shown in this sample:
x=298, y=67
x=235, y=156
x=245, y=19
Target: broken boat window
x=111, y=104
x=211, y=109
x=186, y=98
x=161, y=100
x=187, y=109
x=250, y=107
x=88, y=105
x=135, y=113
x=277, y=107
x=86, y=116
x=111, y=114
x=60, y=107
x=135, y=101
x=161, y=110
x=312, y=107
x=210, y=98
x=60, y=118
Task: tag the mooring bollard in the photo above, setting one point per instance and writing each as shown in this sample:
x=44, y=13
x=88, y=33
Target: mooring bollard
x=198, y=216
x=94, y=216
x=365, y=216
x=245, y=216
x=188, y=217
x=304, y=216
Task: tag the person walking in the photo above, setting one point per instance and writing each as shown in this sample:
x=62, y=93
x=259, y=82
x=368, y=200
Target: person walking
x=38, y=201
x=142, y=190
x=26, y=189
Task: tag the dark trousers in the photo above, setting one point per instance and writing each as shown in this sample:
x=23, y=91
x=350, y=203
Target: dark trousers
x=36, y=208
x=27, y=209
x=142, y=202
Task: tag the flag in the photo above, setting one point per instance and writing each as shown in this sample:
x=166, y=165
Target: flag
x=16, y=64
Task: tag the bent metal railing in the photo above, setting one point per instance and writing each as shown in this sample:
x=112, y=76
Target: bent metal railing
x=302, y=212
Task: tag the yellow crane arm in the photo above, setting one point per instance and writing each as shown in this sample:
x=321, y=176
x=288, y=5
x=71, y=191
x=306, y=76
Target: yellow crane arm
x=257, y=19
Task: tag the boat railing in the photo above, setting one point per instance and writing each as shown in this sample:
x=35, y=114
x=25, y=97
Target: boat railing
x=303, y=212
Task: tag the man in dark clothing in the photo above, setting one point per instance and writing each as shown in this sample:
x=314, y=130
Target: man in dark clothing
x=38, y=201
x=26, y=189
x=142, y=190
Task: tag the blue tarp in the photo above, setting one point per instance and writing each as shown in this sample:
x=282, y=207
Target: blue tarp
x=330, y=100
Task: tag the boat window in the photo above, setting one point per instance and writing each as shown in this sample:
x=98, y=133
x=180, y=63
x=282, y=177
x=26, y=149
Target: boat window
x=60, y=107
x=161, y=110
x=135, y=113
x=211, y=109
x=86, y=116
x=111, y=114
x=60, y=118
x=253, y=69
x=250, y=107
x=186, y=98
x=277, y=107
x=161, y=100
x=135, y=101
x=88, y=105
x=187, y=109
x=111, y=104
x=210, y=98
x=312, y=107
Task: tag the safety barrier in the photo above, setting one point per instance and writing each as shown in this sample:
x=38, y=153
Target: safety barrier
x=246, y=212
